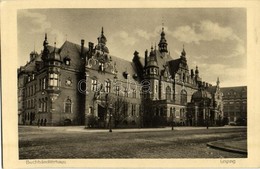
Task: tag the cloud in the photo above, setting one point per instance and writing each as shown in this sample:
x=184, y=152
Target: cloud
x=229, y=76
x=38, y=20
x=143, y=34
x=150, y=35
x=125, y=38
x=206, y=30
x=40, y=24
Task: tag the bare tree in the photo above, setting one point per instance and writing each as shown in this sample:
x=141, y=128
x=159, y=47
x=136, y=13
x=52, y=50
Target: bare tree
x=120, y=110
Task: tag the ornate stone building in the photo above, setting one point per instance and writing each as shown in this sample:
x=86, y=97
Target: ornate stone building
x=79, y=85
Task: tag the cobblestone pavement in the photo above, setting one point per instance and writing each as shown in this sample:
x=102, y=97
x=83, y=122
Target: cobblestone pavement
x=63, y=142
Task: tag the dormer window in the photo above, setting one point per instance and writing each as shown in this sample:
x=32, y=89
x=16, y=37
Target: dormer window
x=67, y=61
x=125, y=74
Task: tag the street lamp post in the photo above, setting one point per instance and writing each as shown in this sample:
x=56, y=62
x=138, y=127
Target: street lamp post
x=173, y=113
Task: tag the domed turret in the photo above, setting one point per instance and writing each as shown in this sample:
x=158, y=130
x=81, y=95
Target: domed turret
x=201, y=95
x=152, y=59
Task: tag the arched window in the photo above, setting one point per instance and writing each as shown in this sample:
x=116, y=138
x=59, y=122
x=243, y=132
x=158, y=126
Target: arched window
x=68, y=106
x=183, y=97
x=168, y=93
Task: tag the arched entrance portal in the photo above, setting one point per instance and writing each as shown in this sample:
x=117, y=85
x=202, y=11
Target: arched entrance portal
x=67, y=122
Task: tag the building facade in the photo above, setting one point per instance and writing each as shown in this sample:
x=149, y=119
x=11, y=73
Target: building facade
x=86, y=85
x=235, y=105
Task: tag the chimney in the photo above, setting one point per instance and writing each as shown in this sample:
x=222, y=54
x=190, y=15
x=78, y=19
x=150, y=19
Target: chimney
x=146, y=58
x=82, y=47
x=90, y=49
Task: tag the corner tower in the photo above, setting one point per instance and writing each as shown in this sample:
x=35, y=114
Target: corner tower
x=151, y=75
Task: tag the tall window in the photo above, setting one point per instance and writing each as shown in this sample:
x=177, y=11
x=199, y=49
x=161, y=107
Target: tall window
x=94, y=85
x=107, y=86
x=126, y=92
x=168, y=93
x=134, y=93
x=125, y=109
x=68, y=106
x=133, y=109
x=53, y=80
x=183, y=97
x=117, y=90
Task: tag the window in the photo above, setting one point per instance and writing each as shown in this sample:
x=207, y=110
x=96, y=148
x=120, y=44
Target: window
x=107, y=86
x=125, y=92
x=94, y=85
x=67, y=62
x=43, y=83
x=40, y=82
x=168, y=93
x=134, y=93
x=29, y=103
x=90, y=110
x=133, y=109
x=68, y=106
x=117, y=90
x=183, y=97
x=53, y=80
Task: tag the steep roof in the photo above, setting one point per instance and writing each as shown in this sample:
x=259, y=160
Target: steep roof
x=212, y=89
x=236, y=89
x=122, y=66
x=174, y=65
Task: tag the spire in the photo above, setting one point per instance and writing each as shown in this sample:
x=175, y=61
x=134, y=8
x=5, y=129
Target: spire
x=183, y=53
x=45, y=42
x=102, y=39
x=197, y=71
x=163, y=42
x=218, y=81
x=102, y=42
x=34, y=46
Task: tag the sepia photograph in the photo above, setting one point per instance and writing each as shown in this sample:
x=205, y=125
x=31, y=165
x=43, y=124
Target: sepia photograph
x=159, y=83
x=154, y=84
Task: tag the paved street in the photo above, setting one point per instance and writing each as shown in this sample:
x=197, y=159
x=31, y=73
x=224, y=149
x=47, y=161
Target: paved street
x=76, y=142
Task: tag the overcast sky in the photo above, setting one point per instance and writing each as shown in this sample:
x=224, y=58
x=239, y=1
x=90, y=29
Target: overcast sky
x=214, y=39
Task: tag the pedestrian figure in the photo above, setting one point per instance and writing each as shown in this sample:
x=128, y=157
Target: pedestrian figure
x=38, y=123
x=45, y=121
x=41, y=121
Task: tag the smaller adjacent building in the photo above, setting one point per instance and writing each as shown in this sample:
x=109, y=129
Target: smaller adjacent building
x=235, y=105
x=206, y=106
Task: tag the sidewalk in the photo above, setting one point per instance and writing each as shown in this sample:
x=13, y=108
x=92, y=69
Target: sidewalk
x=82, y=128
x=237, y=146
